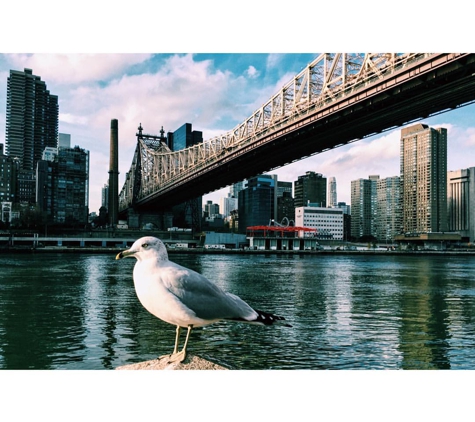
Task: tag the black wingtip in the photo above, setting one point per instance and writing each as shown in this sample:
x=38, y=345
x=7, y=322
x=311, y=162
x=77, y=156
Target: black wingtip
x=269, y=319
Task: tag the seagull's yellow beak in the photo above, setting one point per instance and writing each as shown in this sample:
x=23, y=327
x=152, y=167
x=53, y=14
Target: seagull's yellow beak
x=124, y=254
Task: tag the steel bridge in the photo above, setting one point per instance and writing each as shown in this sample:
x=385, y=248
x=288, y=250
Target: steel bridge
x=338, y=98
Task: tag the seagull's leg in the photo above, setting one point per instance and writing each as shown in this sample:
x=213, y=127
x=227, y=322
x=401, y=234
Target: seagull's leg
x=190, y=327
x=180, y=356
x=177, y=341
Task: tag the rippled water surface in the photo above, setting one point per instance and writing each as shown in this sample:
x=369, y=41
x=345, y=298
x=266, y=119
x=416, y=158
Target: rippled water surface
x=66, y=311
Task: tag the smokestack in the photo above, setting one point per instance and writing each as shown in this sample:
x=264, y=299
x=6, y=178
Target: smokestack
x=114, y=174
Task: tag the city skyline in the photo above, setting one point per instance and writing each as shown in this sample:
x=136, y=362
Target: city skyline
x=221, y=90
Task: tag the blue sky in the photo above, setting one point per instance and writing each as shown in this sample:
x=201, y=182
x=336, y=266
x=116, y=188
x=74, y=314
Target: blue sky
x=214, y=92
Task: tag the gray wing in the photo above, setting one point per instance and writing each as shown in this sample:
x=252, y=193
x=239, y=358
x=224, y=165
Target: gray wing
x=203, y=297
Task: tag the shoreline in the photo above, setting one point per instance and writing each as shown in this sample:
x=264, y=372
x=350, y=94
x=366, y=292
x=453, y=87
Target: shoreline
x=114, y=250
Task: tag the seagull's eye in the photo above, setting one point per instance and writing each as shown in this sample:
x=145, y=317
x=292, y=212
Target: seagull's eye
x=145, y=245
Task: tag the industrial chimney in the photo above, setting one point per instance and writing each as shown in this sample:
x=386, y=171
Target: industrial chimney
x=114, y=174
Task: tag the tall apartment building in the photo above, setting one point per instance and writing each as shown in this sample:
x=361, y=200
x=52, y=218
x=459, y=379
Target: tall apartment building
x=332, y=197
x=461, y=203
x=311, y=187
x=387, y=221
x=31, y=126
x=424, y=179
x=363, y=206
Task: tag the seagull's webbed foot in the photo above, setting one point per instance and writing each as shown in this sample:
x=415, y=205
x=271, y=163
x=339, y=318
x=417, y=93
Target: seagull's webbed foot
x=177, y=356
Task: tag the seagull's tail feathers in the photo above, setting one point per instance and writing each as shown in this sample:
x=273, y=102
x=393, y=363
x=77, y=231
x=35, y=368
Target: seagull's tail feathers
x=264, y=318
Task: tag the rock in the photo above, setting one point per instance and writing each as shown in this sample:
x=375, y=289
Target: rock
x=190, y=363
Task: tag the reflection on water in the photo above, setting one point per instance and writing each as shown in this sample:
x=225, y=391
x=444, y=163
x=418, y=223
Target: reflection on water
x=347, y=312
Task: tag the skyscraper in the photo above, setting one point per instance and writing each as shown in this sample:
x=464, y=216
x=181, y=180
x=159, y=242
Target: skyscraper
x=311, y=187
x=424, y=179
x=332, y=200
x=256, y=202
x=31, y=125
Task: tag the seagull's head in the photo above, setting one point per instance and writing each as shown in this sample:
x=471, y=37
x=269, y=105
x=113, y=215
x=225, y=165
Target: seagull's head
x=148, y=247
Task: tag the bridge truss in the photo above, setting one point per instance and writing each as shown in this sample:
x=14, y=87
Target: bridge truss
x=327, y=80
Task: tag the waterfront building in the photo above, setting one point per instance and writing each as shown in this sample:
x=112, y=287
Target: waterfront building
x=424, y=179
x=387, y=222
x=62, y=190
x=8, y=177
x=31, y=126
x=363, y=207
x=328, y=222
x=311, y=187
x=461, y=203
x=256, y=202
x=332, y=197
x=346, y=219
x=276, y=238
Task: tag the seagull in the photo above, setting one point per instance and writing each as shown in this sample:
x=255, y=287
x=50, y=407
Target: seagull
x=183, y=297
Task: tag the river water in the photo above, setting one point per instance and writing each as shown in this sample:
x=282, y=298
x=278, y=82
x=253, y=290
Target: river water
x=80, y=311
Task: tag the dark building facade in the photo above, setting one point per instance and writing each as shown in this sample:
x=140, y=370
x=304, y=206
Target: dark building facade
x=256, y=202
x=311, y=187
x=184, y=137
x=63, y=187
x=8, y=177
x=285, y=208
x=31, y=126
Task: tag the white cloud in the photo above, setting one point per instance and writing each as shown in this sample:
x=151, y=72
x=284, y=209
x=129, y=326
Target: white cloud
x=70, y=118
x=252, y=72
x=470, y=136
x=75, y=68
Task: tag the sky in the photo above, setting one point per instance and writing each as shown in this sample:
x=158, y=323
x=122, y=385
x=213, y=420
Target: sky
x=213, y=92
